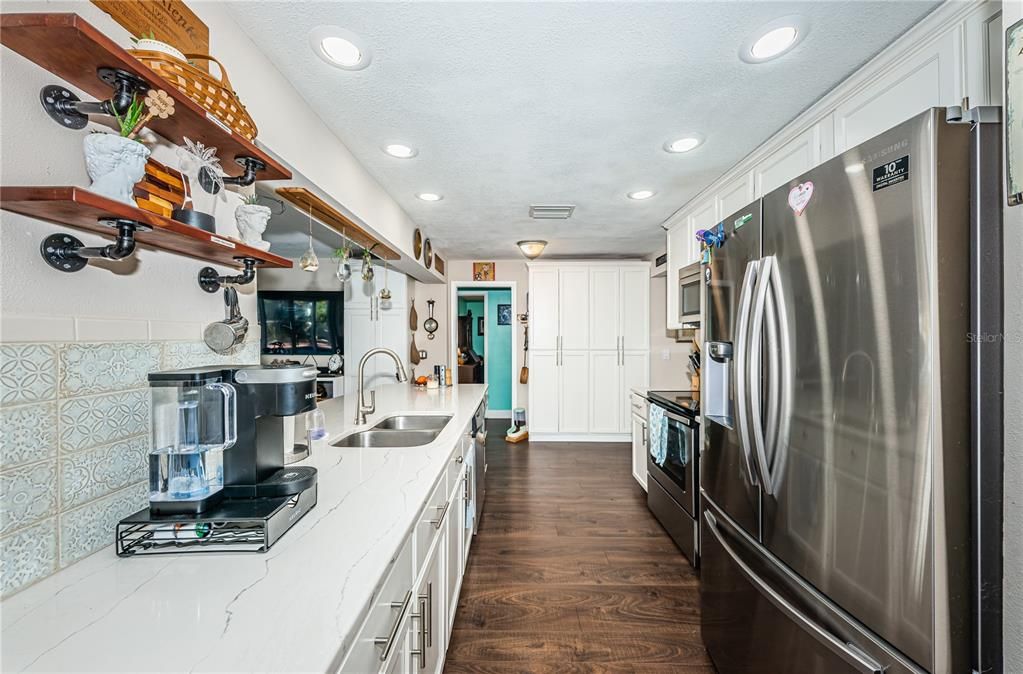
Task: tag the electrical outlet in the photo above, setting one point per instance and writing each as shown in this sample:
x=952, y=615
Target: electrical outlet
x=665, y=354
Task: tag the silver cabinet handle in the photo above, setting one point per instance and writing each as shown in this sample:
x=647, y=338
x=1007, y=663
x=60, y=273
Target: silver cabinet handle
x=741, y=379
x=428, y=620
x=440, y=518
x=388, y=641
x=420, y=652
x=754, y=372
x=459, y=459
x=849, y=653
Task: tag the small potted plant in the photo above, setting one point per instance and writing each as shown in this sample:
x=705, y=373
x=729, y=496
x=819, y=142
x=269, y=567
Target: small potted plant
x=148, y=42
x=252, y=218
x=343, y=255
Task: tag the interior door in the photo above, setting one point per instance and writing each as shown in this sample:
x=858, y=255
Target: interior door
x=573, y=403
x=605, y=391
x=634, y=314
x=635, y=374
x=573, y=307
x=543, y=310
x=605, y=308
x=544, y=382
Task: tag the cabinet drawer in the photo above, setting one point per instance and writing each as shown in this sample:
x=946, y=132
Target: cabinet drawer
x=430, y=522
x=456, y=462
x=638, y=404
x=380, y=633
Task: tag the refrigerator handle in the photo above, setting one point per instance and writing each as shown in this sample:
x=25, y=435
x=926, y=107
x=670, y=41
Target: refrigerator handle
x=781, y=375
x=755, y=371
x=849, y=653
x=741, y=376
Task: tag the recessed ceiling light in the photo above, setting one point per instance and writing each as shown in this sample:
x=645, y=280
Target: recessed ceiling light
x=429, y=196
x=339, y=47
x=773, y=39
x=684, y=144
x=400, y=151
x=639, y=195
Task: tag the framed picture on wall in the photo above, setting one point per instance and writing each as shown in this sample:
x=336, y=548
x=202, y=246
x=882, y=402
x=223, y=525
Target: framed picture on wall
x=482, y=271
x=504, y=314
x=480, y=322
x=1014, y=113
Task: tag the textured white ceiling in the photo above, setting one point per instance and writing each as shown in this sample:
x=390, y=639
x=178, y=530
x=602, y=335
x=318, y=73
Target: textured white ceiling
x=511, y=104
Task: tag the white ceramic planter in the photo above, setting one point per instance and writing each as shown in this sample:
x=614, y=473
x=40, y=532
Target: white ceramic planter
x=162, y=47
x=251, y=220
x=115, y=164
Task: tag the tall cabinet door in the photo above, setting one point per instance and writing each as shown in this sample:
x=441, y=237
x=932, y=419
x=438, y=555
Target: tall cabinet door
x=605, y=308
x=543, y=391
x=574, y=307
x=635, y=374
x=605, y=391
x=574, y=399
x=634, y=314
x=543, y=309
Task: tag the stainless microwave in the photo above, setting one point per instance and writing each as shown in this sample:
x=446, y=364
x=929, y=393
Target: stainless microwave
x=689, y=293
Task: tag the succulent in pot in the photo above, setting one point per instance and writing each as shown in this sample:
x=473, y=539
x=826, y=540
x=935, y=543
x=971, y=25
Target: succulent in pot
x=251, y=219
x=148, y=42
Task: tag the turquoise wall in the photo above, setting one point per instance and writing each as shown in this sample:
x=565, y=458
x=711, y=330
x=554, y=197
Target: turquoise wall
x=476, y=307
x=499, y=340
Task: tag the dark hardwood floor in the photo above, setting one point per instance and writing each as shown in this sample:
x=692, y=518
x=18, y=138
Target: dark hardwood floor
x=570, y=573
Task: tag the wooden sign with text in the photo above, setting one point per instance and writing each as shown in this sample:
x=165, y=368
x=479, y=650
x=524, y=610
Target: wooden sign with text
x=170, y=21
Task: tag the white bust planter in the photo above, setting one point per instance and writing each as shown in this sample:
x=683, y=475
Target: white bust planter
x=251, y=220
x=115, y=164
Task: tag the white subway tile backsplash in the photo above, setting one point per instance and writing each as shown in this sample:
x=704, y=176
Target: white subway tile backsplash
x=28, y=433
x=97, y=368
x=27, y=556
x=110, y=330
x=36, y=329
x=28, y=373
x=175, y=330
x=86, y=529
x=92, y=473
x=27, y=494
x=98, y=420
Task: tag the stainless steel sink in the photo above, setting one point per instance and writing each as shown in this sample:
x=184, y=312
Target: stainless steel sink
x=413, y=422
x=388, y=438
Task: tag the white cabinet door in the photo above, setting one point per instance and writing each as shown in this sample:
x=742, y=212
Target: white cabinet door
x=430, y=601
x=792, y=159
x=399, y=660
x=544, y=380
x=605, y=391
x=605, y=308
x=635, y=374
x=639, y=449
x=678, y=253
x=574, y=394
x=734, y=195
x=635, y=307
x=358, y=293
x=360, y=337
x=704, y=217
x=455, y=523
x=574, y=307
x=543, y=310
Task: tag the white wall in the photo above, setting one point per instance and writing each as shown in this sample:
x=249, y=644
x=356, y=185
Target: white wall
x=671, y=374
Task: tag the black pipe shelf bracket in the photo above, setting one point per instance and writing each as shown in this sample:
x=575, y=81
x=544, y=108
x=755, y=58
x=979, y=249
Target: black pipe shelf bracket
x=67, y=253
x=211, y=281
x=73, y=113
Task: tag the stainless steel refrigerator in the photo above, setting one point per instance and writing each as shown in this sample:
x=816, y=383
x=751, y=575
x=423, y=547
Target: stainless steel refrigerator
x=836, y=460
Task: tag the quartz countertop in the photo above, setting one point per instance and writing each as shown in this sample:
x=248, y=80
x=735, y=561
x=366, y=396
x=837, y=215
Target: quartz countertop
x=293, y=608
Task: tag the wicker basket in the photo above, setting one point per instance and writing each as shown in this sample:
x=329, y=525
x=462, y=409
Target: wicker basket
x=216, y=96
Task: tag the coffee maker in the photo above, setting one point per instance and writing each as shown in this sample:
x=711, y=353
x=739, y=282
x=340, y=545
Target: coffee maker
x=217, y=475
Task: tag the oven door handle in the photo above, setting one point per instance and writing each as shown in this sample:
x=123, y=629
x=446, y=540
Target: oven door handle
x=677, y=417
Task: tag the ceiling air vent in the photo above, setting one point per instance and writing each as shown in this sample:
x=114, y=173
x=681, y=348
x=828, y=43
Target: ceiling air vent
x=550, y=212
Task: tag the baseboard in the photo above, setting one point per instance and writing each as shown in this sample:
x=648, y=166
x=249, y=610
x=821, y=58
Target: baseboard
x=499, y=414
x=580, y=437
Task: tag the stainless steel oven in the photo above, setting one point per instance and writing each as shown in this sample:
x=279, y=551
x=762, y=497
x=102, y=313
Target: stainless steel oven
x=673, y=484
x=690, y=292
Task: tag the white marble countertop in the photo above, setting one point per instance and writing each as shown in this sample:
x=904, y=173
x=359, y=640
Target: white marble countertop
x=292, y=609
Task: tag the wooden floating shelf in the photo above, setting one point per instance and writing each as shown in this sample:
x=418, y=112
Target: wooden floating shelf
x=308, y=202
x=81, y=209
x=73, y=49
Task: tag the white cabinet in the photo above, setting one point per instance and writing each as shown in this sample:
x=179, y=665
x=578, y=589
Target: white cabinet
x=453, y=560
x=635, y=374
x=639, y=449
x=430, y=610
x=370, y=323
x=787, y=162
x=588, y=316
x=678, y=253
x=734, y=195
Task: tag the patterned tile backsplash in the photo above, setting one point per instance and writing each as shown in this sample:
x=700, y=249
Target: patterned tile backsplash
x=74, y=443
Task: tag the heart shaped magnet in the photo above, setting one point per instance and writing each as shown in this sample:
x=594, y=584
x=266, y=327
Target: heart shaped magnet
x=799, y=197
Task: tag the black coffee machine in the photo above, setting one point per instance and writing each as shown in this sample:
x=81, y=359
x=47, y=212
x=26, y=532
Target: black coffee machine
x=216, y=473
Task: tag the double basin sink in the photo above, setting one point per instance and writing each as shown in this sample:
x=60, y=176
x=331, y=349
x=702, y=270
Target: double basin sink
x=403, y=430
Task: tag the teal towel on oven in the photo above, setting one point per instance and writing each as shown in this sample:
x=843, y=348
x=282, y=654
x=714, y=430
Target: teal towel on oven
x=657, y=432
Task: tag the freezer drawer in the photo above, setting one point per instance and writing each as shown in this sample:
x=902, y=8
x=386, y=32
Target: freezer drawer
x=758, y=617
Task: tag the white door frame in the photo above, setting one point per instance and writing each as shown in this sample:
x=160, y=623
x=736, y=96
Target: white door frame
x=456, y=287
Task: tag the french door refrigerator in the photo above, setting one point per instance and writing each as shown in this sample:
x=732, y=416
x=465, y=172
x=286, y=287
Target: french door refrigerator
x=837, y=409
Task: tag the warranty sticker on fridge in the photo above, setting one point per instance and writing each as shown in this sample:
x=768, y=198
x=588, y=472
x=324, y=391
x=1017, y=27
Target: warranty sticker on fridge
x=891, y=173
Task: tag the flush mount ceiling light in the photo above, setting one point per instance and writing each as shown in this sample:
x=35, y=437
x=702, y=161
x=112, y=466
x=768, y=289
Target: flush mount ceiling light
x=339, y=47
x=532, y=249
x=400, y=151
x=774, y=39
x=639, y=195
x=429, y=196
x=684, y=144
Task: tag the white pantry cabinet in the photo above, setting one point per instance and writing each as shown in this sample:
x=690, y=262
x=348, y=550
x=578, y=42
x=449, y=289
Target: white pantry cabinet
x=370, y=322
x=589, y=327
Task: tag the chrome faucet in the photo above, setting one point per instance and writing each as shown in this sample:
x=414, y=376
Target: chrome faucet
x=362, y=409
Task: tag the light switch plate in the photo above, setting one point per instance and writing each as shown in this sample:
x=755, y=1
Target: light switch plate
x=422, y=354
x=665, y=354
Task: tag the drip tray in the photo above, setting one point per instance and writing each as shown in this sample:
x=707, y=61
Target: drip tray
x=236, y=525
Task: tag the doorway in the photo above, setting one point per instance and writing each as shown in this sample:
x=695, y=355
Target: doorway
x=483, y=338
